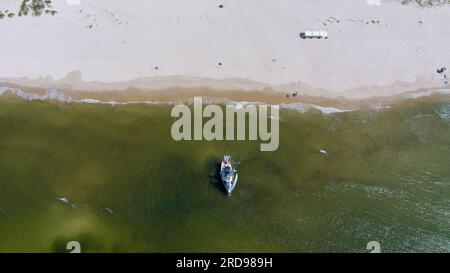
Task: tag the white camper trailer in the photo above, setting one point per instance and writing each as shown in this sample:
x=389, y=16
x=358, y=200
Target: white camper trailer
x=314, y=34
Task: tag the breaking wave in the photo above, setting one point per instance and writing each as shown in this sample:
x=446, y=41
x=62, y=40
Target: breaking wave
x=304, y=107
x=55, y=95
x=428, y=93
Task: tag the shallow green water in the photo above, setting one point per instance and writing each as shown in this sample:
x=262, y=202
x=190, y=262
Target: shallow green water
x=130, y=187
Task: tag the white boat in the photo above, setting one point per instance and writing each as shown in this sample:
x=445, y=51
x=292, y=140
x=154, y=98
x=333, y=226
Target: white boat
x=314, y=34
x=228, y=174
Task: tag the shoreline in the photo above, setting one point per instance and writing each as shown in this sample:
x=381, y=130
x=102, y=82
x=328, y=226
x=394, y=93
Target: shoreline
x=238, y=98
x=73, y=83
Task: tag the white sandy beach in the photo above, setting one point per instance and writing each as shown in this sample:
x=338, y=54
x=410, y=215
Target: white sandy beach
x=372, y=50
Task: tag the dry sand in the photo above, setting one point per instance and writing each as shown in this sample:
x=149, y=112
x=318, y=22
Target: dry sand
x=372, y=50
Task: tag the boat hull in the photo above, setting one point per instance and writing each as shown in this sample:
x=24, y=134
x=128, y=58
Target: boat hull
x=229, y=185
x=228, y=174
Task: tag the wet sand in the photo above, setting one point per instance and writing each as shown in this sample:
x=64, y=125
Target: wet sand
x=183, y=95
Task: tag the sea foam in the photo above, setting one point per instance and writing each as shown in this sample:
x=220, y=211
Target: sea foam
x=55, y=95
